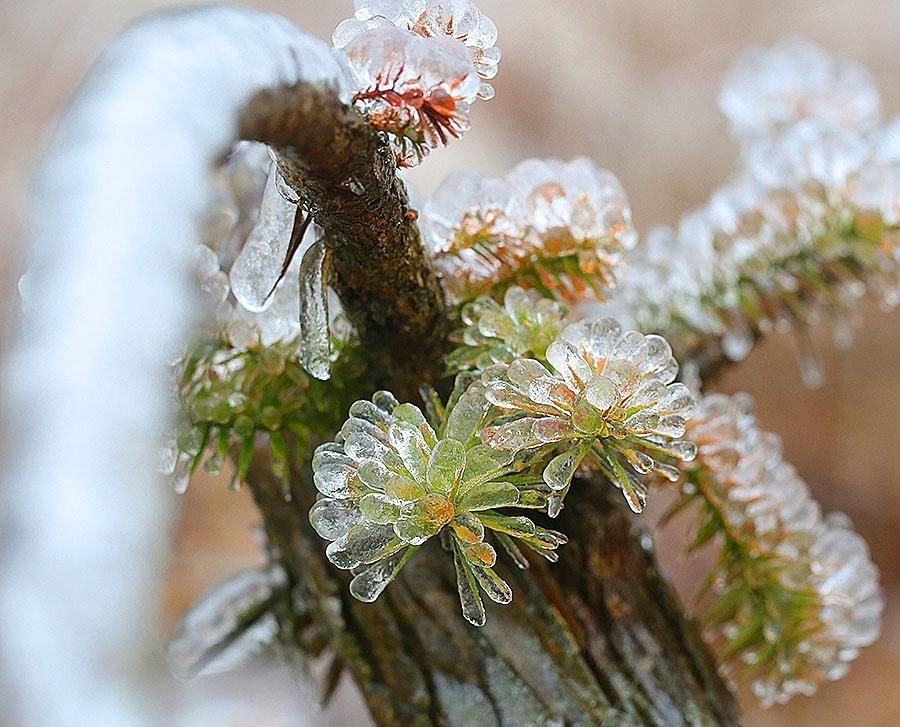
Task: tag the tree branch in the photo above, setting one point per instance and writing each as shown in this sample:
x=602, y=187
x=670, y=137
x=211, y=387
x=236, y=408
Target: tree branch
x=345, y=174
x=598, y=639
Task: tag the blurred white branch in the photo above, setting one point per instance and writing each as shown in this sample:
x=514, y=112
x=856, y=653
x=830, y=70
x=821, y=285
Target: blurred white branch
x=114, y=209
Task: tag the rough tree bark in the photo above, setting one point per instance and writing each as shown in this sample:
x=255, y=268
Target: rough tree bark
x=598, y=638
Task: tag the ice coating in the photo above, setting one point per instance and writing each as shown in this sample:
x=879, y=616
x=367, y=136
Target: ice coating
x=461, y=20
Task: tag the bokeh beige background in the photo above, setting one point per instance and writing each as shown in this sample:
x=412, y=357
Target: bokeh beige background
x=633, y=84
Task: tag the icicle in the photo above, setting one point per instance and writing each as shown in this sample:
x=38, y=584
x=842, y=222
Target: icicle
x=315, y=337
x=257, y=267
x=808, y=360
x=738, y=339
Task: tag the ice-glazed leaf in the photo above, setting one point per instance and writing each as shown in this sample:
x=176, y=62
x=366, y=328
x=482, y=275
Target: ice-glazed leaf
x=363, y=544
x=482, y=464
x=512, y=550
x=559, y=471
x=258, y=266
x=488, y=496
x=335, y=480
x=403, y=489
x=333, y=518
x=481, y=555
x=410, y=445
x=379, y=509
x=467, y=413
x=468, y=528
x=424, y=519
x=551, y=392
x=364, y=446
x=329, y=453
x=545, y=542
x=315, y=338
x=460, y=385
x=515, y=525
x=493, y=585
x=512, y=436
x=369, y=584
x=446, y=465
x=413, y=415
x=564, y=357
x=469, y=598
x=532, y=499
x=554, y=429
x=385, y=400
x=635, y=491
x=358, y=425
x=506, y=396
x=370, y=412
x=523, y=372
x=601, y=393
x=374, y=474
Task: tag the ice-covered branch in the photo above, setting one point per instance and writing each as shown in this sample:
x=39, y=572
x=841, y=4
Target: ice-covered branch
x=114, y=206
x=807, y=226
x=797, y=595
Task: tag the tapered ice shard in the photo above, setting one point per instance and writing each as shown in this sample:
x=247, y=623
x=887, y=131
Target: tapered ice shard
x=256, y=270
x=315, y=336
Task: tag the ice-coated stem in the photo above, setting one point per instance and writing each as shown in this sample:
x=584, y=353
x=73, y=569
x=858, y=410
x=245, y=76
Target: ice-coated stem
x=114, y=208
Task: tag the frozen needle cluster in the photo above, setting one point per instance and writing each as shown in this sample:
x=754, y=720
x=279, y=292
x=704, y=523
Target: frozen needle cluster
x=418, y=66
x=797, y=594
x=770, y=89
x=525, y=324
x=391, y=482
x=461, y=20
x=606, y=395
x=559, y=227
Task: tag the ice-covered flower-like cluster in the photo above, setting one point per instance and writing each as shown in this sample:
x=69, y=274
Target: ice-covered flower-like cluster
x=458, y=19
x=391, y=482
x=770, y=89
x=807, y=226
x=555, y=226
x=608, y=396
x=798, y=595
x=417, y=89
x=418, y=66
x=523, y=325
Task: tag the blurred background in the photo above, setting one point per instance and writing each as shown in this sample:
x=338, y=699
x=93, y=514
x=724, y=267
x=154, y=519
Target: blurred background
x=632, y=84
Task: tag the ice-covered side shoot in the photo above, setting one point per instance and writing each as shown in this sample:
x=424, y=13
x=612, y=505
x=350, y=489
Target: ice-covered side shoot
x=796, y=595
x=419, y=66
x=809, y=224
